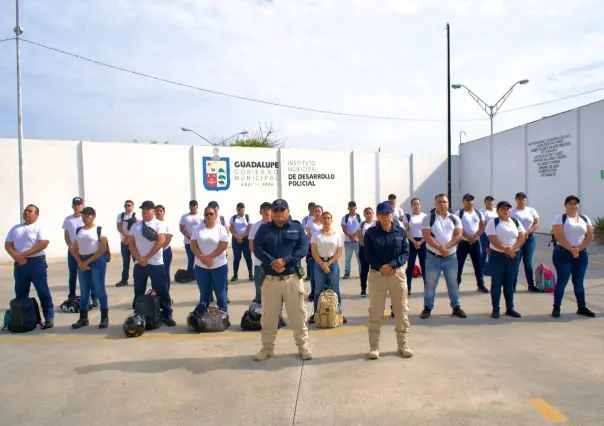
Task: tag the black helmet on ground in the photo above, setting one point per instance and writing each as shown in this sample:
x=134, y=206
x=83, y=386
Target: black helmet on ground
x=134, y=325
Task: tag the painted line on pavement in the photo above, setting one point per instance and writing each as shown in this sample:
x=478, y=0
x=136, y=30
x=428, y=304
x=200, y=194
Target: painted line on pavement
x=546, y=410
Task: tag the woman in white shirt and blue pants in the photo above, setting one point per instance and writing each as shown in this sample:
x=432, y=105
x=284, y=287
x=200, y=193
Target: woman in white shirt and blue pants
x=506, y=237
x=530, y=221
x=573, y=233
x=326, y=247
x=417, y=247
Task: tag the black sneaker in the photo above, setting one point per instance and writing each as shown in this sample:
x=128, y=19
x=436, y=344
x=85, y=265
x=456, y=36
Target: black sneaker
x=556, y=312
x=311, y=297
x=425, y=313
x=363, y=293
x=311, y=320
x=585, y=312
x=345, y=321
x=122, y=283
x=512, y=313
x=458, y=312
x=234, y=278
x=251, y=277
x=495, y=314
x=346, y=276
x=169, y=322
x=533, y=289
x=49, y=323
x=391, y=312
x=483, y=290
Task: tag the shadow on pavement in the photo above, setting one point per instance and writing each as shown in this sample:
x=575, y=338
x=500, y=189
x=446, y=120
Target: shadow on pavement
x=204, y=365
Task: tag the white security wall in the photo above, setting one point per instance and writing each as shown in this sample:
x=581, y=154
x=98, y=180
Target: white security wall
x=106, y=174
x=319, y=176
x=549, y=159
x=251, y=176
x=114, y=173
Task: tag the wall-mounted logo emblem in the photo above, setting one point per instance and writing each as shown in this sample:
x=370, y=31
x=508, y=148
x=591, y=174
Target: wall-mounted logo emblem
x=216, y=172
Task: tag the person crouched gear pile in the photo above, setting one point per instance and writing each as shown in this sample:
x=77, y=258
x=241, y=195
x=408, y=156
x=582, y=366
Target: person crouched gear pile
x=212, y=320
x=251, y=318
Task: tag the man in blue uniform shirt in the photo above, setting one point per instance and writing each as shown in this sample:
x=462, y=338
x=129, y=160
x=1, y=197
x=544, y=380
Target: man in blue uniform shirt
x=386, y=250
x=280, y=245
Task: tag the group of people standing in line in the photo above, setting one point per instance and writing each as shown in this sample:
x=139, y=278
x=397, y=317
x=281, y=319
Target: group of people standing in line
x=440, y=241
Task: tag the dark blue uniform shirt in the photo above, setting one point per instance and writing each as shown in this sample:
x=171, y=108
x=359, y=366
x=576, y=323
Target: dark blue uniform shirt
x=386, y=248
x=288, y=242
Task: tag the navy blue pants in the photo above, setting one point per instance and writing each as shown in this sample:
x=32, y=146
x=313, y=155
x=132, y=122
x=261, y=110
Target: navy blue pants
x=475, y=251
x=72, y=267
x=484, y=246
x=365, y=268
x=414, y=254
x=190, y=258
x=238, y=250
x=35, y=272
x=167, y=254
x=157, y=274
x=569, y=268
x=503, y=272
x=126, y=255
x=212, y=280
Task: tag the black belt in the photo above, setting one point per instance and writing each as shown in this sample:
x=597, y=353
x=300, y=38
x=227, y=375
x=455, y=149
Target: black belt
x=37, y=257
x=326, y=259
x=438, y=255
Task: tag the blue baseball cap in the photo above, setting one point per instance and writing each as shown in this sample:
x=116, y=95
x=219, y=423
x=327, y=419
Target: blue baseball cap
x=384, y=207
x=213, y=204
x=280, y=203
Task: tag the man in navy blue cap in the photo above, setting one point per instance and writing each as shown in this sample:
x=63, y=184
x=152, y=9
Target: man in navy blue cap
x=280, y=245
x=386, y=250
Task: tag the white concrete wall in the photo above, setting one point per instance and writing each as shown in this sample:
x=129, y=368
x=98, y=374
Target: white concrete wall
x=548, y=159
x=107, y=174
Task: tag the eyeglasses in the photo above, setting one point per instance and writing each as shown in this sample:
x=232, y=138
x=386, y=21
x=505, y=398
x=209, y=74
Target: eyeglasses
x=208, y=214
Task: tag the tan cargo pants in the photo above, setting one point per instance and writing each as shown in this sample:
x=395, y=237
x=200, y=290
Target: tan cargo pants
x=396, y=285
x=291, y=291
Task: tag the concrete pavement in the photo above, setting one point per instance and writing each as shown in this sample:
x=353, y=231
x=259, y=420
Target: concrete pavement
x=478, y=371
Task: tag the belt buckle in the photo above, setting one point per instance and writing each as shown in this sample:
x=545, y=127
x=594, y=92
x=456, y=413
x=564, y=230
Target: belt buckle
x=283, y=277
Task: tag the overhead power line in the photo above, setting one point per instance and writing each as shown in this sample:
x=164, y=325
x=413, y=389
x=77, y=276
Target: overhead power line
x=277, y=104
x=7, y=39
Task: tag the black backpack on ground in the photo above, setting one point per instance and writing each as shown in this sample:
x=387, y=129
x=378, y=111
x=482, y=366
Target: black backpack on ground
x=251, y=318
x=181, y=276
x=24, y=315
x=564, y=217
x=213, y=320
x=149, y=307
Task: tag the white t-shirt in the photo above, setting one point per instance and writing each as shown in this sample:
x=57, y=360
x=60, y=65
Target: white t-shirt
x=488, y=214
x=398, y=212
x=574, y=229
x=314, y=227
x=364, y=226
x=167, y=232
x=253, y=231
x=70, y=224
x=415, y=227
x=208, y=240
x=88, y=240
x=327, y=244
x=526, y=216
x=351, y=225
x=470, y=222
x=507, y=232
x=124, y=223
x=190, y=222
x=143, y=245
x=240, y=223
x=305, y=219
x=25, y=237
x=443, y=230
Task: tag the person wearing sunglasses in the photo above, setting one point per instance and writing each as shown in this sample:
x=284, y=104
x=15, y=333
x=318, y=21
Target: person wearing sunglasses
x=125, y=222
x=209, y=242
x=280, y=245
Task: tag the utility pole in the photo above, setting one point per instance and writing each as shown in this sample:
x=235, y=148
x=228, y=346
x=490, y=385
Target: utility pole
x=18, y=32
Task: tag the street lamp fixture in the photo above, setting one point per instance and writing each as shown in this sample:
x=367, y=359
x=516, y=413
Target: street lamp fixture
x=245, y=132
x=184, y=129
x=491, y=111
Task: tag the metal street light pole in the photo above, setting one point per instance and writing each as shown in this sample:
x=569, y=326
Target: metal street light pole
x=184, y=129
x=491, y=111
x=18, y=31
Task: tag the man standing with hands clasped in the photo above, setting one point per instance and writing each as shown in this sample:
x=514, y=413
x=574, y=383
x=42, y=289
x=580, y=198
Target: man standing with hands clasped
x=386, y=250
x=280, y=245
